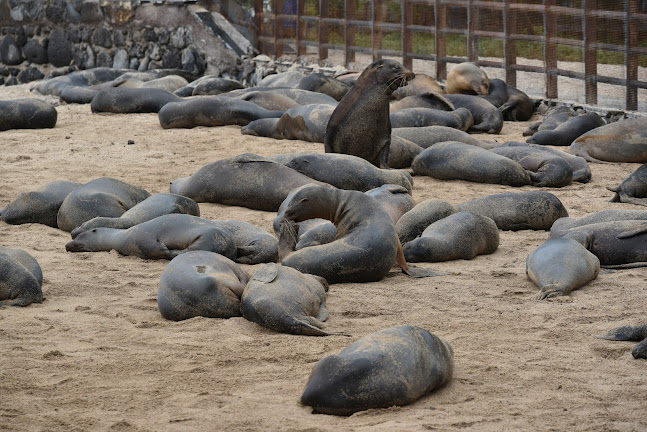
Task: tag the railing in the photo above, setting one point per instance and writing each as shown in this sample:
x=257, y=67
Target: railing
x=499, y=34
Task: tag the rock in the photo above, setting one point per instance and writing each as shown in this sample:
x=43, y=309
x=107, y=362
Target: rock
x=179, y=38
x=86, y=34
x=74, y=35
x=56, y=13
x=148, y=35
x=171, y=59
x=121, y=60
x=134, y=63
x=11, y=81
x=91, y=11
x=119, y=37
x=10, y=54
x=104, y=59
x=30, y=74
x=90, y=59
x=143, y=66
x=72, y=14
x=102, y=37
x=163, y=37
x=59, y=49
x=35, y=52
x=20, y=36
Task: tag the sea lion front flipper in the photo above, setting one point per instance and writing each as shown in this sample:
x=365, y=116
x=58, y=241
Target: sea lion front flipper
x=415, y=272
x=287, y=238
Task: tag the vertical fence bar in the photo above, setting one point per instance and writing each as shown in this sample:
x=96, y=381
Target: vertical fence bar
x=301, y=27
x=509, y=45
x=472, y=25
x=440, y=22
x=278, y=27
x=590, y=54
x=324, y=32
x=379, y=11
x=258, y=10
x=550, y=49
x=407, y=37
x=350, y=12
x=631, y=60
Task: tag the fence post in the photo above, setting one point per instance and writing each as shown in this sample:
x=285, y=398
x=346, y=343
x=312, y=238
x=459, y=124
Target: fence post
x=407, y=37
x=324, y=7
x=590, y=54
x=350, y=13
x=550, y=50
x=509, y=45
x=258, y=10
x=472, y=25
x=278, y=29
x=301, y=27
x=379, y=11
x=631, y=60
x=440, y=21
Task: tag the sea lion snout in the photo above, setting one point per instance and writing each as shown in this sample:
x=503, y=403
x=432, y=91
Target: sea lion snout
x=75, y=246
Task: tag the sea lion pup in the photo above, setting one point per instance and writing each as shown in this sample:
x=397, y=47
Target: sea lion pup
x=360, y=124
x=104, y=196
x=247, y=180
x=560, y=266
x=553, y=117
x=27, y=114
x=419, y=85
x=20, y=278
x=460, y=118
x=467, y=78
x=164, y=237
x=211, y=86
x=201, y=283
x=535, y=210
x=269, y=100
x=152, y=207
x=514, y=104
x=545, y=169
x=301, y=97
x=395, y=366
x=427, y=136
x=39, y=206
x=621, y=141
x=487, y=117
x=395, y=199
x=402, y=152
x=453, y=160
x=320, y=83
x=290, y=78
x=121, y=100
x=462, y=235
x=212, y=111
x=633, y=189
x=601, y=216
x=285, y=300
x=425, y=100
x=630, y=333
x=305, y=122
x=565, y=133
x=264, y=127
x=414, y=222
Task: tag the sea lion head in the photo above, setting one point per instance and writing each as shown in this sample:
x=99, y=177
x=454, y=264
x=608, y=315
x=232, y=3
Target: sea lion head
x=388, y=74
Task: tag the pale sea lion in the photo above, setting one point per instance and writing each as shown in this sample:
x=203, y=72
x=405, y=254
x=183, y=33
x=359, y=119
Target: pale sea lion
x=427, y=136
x=460, y=118
x=215, y=85
x=321, y=83
x=27, y=114
x=467, y=78
x=395, y=199
x=560, y=266
x=121, y=100
x=302, y=97
x=487, y=117
x=414, y=222
x=19, y=286
x=545, y=169
x=201, y=283
x=39, y=206
x=630, y=333
x=419, y=85
x=360, y=124
x=633, y=189
x=264, y=127
x=395, y=366
x=426, y=100
x=621, y=141
x=305, y=122
x=565, y=133
x=269, y=100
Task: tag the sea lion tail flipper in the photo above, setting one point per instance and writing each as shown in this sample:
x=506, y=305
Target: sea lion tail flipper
x=626, y=333
x=314, y=328
x=627, y=266
x=635, y=230
x=550, y=291
x=287, y=238
x=419, y=272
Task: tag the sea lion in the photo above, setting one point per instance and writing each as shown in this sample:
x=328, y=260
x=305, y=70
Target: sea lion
x=545, y=169
x=25, y=258
x=579, y=165
x=419, y=85
x=302, y=97
x=305, y=122
x=395, y=199
x=497, y=93
x=560, y=266
x=289, y=79
x=536, y=210
x=253, y=244
x=461, y=235
x=460, y=118
x=78, y=94
x=630, y=333
x=395, y=366
x=104, y=196
x=247, y=180
x=85, y=78
x=514, y=104
x=169, y=83
x=427, y=136
x=554, y=117
x=453, y=160
x=565, y=133
x=426, y=100
x=621, y=141
x=19, y=286
x=402, y=152
x=633, y=189
x=27, y=114
x=269, y=100
x=211, y=86
x=264, y=127
x=320, y=83
x=164, y=237
x=487, y=117
x=285, y=300
x=121, y=100
x=314, y=232
x=601, y=216
x=414, y=222
x=201, y=283
x=467, y=78
x=360, y=124
x=150, y=208
x=39, y=206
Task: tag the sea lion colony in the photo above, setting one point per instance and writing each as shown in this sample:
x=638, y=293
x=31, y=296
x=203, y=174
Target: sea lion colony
x=107, y=214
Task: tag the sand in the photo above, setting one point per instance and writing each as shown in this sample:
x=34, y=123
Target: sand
x=97, y=355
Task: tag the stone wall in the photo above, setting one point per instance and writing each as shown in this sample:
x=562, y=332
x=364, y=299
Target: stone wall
x=40, y=35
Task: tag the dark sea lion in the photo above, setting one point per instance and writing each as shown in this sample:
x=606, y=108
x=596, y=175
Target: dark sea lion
x=395, y=366
x=621, y=141
x=270, y=100
x=150, y=208
x=514, y=104
x=419, y=85
x=314, y=232
x=360, y=124
x=85, y=78
x=560, y=266
x=104, y=196
x=633, y=189
x=630, y=333
x=536, y=210
x=39, y=206
x=568, y=131
x=601, y=216
x=164, y=237
x=402, y=152
x=349, y=77
x=427, y=136
x=305, y=122
x=546, y=169
x=467, y=78
x=487, y=117
x=284, y=79
x=461, y=235
x=344, y=171
x=554, y=117
x=19, y=286
x=215, y=85
x=497, y=93
x=169, y=83
x=253, y=244
x=264, y=127
x=414, y=222
x=201, y=283
x=579, y=165
x=212, y=111
x=27, y=114
x=460, y=118
x=25, y=258
x=120, y=100
x=302, y=97
x=320, y=83
x=426, y=100
x=285, y=300
x=458, y=161
x=78, y=94
x=246, y=180
x=395, y=199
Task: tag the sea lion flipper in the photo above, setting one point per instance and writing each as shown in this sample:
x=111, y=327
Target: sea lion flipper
x=287, y=238
x=419, y=272
x=626, y=333
x=267, y=273
x=317, y=331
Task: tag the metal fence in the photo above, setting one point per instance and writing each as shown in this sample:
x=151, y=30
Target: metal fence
x=499, y=34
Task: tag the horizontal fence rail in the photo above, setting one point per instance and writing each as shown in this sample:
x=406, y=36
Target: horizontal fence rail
x=496, y=34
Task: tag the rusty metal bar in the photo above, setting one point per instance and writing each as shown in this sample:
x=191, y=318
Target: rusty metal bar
x=324, y=31
x=301, y=27
x=550, y=49
x=590, y=55
x=350, y=12
x=440, y=42
x=379, y=11
x=258, y=18
x=407, y=37
x=631, y=61
x=472, y=28
x=278, y=28
x=509, y=45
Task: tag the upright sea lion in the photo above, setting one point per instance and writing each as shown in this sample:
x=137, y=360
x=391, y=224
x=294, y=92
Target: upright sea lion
x=360, y=124
x=467, y=78
x=565, y=133
x=487, y=117
x=18, y=285
x=201, y=283
x=27, y=114
x=545, y=169
x=39, y=206
x=621, y=141
x=321, y=83
x=633, y=189
x=460, y=118
x=395, y=366
x=131, y=100
x=414, y=222
x=630, y=333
